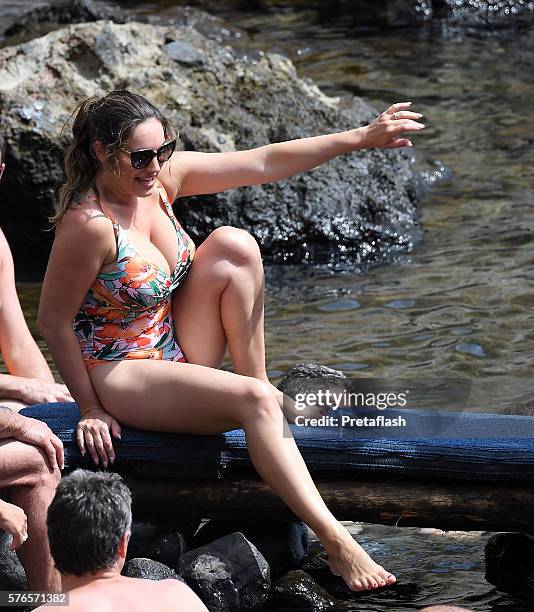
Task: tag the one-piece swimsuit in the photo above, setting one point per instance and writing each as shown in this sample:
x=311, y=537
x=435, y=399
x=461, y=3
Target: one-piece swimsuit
x=126, y=313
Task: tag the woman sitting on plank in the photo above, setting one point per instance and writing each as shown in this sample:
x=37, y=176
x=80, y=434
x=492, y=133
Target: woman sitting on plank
x=131, y=357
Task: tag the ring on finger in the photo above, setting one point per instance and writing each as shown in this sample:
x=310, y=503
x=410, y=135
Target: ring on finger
x=394, y=116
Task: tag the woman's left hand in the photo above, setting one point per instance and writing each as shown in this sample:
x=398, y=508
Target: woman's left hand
x=384, y=132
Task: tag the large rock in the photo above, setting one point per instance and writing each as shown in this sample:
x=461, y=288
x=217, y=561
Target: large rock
x=147, y=569
x=283, y=544
x=12, y=574
x=228, y=574
x=43, y=19
x=360, y=206
x=157, y=542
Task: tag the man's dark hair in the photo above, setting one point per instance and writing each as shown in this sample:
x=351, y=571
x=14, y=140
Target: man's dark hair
x=88, y=516
x=2, y=149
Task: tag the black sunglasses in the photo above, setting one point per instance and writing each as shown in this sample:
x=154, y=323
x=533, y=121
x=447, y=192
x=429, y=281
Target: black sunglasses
x=141, y=158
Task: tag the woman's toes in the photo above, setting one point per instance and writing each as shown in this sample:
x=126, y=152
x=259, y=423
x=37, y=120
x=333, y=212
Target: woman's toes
x=379, y=581
x=390, y=579
x=358, y=585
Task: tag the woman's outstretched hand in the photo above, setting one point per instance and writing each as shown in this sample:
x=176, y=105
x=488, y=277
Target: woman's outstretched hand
x=93, y=435
x=385, y=131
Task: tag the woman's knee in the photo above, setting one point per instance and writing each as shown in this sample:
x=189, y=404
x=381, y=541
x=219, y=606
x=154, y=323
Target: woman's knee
x=258, y=401
x=235, y=244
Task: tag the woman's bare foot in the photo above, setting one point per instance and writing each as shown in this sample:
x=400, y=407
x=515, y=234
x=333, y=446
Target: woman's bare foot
x=349, y=560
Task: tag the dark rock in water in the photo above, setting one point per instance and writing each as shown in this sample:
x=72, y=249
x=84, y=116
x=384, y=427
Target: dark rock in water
x=510, y=562
x=404, y=13
x=483, y=12
x=297, y=590
x=65, y=12
x=305, y=377
x=155, y=542
x=12, y=574
x=169, y=548
x=357, y=207
x=228, y=574
x=284, y=545
x=44, y=19
x=148, y=570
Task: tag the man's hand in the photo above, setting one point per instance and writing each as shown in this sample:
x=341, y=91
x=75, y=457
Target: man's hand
x=13, y=520
x=39, y=434
x=32, y=391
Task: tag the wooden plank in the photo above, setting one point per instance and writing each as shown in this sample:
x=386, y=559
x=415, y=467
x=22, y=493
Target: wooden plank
x=444, y=505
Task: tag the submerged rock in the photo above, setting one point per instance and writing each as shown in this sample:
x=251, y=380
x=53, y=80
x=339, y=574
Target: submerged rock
x=228, y=574
x=510, y=562
x=297, y=590
x=357, y=207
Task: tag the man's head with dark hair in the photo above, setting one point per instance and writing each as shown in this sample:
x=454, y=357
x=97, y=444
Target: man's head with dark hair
x=2, y=155
x=88, y=518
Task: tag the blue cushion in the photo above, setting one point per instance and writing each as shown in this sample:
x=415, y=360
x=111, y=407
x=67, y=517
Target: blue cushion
x=457, y=445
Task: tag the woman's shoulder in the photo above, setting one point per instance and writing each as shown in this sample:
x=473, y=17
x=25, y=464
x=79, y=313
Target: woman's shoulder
x=85, y=220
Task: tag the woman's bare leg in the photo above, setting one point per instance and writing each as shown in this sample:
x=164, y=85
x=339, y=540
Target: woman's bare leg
x=221, y=302
x=190, y=398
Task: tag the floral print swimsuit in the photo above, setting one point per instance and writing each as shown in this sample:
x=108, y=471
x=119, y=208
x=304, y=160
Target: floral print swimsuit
x=126, y=313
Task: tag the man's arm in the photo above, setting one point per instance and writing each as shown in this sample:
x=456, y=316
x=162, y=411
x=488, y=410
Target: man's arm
x=32, y=431
x=9, y=423
x=19, y=350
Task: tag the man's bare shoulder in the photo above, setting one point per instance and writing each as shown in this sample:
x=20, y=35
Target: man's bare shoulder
x=178, y=597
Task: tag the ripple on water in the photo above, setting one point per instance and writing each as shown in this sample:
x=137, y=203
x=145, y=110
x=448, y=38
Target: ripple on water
x=400, y=304
x=345, y=304
x=470, y=348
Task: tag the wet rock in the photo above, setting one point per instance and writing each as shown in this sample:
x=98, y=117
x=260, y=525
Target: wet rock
x=63, y=12
x=43, y=19
x=228, y=574
x=357, y=207
x=402, y=13
x=510, y=562
x=283, y=544
x=297, y=590
x=148, y=570
x=12, y=574
x=156, y=542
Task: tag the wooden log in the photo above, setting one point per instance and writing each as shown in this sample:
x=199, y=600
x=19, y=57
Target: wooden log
x=444, y=505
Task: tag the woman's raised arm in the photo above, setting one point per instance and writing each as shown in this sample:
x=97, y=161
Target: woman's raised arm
x=196, y=173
